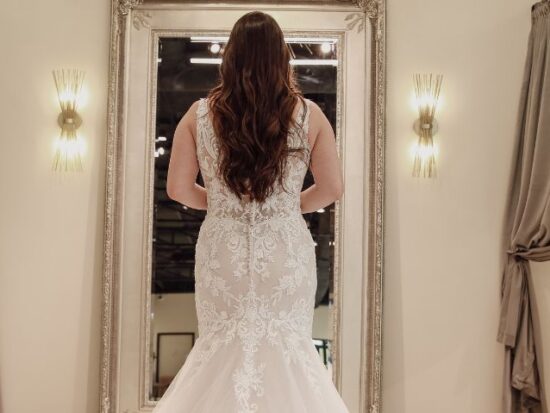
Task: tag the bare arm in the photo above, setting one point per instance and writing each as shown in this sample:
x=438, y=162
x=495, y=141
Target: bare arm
x=325, y=165
x=181, y=182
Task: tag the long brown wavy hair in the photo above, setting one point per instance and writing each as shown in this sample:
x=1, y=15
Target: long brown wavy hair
x=252, y=107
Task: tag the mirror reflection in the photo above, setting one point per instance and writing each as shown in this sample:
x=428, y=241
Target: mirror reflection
x=187, y=67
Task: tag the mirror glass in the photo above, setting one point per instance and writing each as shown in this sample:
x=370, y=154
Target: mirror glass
x=187, y=68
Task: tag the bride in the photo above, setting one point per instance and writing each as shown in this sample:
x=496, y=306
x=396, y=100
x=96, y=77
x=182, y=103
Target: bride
x=253, y=138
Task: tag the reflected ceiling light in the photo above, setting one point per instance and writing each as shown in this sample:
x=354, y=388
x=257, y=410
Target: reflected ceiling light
x=326, y=47
x=314, y=40
x=215, y=48
x=314, y=62
x=159, y=152
x=321, y=210
x=296, y=62
x=224, y=39
x=209, y=39
x=161, y=139
x=206, y=60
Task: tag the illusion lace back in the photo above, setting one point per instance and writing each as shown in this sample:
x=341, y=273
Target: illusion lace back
x=255, y=283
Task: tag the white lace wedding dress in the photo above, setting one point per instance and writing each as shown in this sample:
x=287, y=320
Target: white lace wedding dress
x=255, y=282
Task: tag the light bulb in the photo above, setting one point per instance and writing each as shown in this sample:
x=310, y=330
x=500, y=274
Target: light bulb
x=325, y=47
x=215, y=48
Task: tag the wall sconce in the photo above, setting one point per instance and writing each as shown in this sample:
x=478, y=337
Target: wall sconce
x=69, y=146
x=427, y=90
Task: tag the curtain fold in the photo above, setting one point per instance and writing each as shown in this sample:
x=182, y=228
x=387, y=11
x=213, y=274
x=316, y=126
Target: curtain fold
x=527, y=223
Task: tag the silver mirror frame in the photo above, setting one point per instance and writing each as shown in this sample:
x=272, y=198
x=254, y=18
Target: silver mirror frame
x=372, y=12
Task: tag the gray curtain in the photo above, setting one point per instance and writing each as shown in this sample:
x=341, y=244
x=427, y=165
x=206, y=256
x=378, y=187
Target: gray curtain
x=527, y=224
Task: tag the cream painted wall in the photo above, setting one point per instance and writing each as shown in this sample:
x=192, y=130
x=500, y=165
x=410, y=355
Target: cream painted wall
x=51, y=227
x=443, y=262
x=442, y=249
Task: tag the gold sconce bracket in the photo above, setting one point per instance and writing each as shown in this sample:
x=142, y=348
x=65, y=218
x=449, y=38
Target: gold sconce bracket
x=431, y=127
x=69, y=121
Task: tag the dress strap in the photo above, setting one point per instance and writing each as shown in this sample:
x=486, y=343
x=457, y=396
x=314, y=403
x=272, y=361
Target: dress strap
x=202, y=118
x=305, y=117
x=305, y=111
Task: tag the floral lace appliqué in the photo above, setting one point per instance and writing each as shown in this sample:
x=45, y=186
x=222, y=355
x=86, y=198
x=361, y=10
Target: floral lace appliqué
x=255, y=274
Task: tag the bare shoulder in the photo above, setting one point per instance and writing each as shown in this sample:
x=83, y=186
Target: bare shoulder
x=193, y=108
x=318, y=122
x=191, y=114
x=188, y=122
x=317, y=116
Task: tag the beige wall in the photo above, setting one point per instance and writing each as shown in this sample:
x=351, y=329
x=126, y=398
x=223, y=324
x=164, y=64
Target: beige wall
x=51, y=229
x=442, y=250
x=443, y=236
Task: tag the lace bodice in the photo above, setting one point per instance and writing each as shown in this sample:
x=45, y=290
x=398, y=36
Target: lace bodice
x=222, y=203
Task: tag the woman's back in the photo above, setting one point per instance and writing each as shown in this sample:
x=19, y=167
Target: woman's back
x=255, y=286
x=319, y=140
x=222, y=202
x=255, y=263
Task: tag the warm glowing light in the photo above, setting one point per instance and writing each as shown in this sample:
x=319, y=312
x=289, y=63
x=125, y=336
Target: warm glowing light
x=69, y=146
x=426, y=98
x=424, y=154
x=64, y=97
x=424, y=150
x=67, y=96
x=68, y=153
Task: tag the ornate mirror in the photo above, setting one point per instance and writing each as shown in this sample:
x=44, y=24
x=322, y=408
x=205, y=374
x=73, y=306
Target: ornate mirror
x=164, y=56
